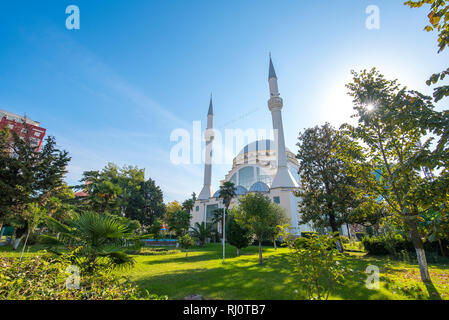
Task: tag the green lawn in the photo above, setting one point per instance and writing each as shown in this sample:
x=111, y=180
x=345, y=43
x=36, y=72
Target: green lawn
x=242, y=277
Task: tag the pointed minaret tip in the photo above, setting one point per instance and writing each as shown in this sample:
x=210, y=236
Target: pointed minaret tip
x=211, y=107
x=271, y=73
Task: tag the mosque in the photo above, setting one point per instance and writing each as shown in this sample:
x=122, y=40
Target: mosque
x=265, y=166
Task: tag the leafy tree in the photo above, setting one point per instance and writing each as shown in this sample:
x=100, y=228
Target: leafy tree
x=155, y=229
x=98, y=240
x=123, y=191
x=278, y=219
x=177, y=219
x=102, y=193
x=328, y=190
x=201, y=232
x=256, y=212
x=28, y=176
x=146, y=203
x=394, y=151
x=238, y=236
x=189, y=203
x=316, y=262
x=438, y=19
x=186, y=242
x=227, y=193
x=218, y=216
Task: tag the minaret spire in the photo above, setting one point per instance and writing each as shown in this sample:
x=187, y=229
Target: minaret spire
x=206, y=192
x=283, y=177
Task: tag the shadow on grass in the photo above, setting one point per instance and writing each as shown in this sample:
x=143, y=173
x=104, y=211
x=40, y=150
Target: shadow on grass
x=432, y=291
x=243, y=278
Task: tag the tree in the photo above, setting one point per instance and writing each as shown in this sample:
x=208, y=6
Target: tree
x=316, y=263
x=394, y=151
x=278, y=219
x=146, y=203
x=189, y=203
x=123, y=191
x=227, y=193
x=102, y=193
x=328, y=190
x=177, y=219
x=186, y=242
x=155, y=229
x=238, y=236
x=218, y=217
x=28, y=176
x=438, y=18
x=99, y=241
x=34, y=214
x=256, y=212
x=201, y=232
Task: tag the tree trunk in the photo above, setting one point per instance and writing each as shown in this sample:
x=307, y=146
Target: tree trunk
x=349, y=233
x=238, y=252
x=334, y=228
x=16, y=243
x=24, y=245
x=260, y=252
x=420, y=253
x=274, y=243
x=441, y=247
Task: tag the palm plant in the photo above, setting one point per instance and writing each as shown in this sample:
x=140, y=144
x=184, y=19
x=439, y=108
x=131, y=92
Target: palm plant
x=201, y=232
x=227, y=192
x=96, y=241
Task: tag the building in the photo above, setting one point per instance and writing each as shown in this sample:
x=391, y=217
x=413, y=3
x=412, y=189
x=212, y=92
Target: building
x=24, y=127
x=265, y=166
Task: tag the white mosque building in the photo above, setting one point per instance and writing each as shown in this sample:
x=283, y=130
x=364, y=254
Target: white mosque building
x=265, y=166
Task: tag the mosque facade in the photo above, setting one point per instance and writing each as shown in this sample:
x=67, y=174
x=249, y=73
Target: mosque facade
x=264, y=166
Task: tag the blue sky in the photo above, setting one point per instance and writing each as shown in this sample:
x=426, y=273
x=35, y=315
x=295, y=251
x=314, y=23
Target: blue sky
x=114, y=90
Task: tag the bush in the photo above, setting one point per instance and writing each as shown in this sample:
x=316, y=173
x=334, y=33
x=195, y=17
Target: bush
x=44, y=278
x=385, y=245
x=308, y=234
x=316, y=263
x=344, y=239
x=360, y=236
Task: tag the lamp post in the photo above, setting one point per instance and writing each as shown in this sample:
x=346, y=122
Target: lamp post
x=224, y=234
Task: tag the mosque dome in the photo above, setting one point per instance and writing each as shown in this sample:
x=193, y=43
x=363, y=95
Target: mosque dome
x=239, y=191
x=260, y=145
x=259, y=187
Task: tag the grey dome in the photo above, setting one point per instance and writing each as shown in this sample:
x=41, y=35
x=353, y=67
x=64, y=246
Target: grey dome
x=259, y=145
x=259, y=187
x=239, y=191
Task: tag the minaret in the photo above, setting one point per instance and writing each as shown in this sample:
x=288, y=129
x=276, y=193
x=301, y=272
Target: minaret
x=206, y=193
x=283, y=177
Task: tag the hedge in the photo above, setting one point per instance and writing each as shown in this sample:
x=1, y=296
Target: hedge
x=385, y=245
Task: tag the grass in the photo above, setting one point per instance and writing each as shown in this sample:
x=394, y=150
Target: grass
x=243, y=278
x=202, y=272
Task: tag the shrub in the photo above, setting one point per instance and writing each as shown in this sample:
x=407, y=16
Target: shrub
x=344, y=239
x=186, y=242
x=316, y=263
x=387, y=244
x=44, y=278
x=308, y=234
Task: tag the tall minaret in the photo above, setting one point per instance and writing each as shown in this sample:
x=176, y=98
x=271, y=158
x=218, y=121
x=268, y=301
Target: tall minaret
x=206, y=193
x=283, y=177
